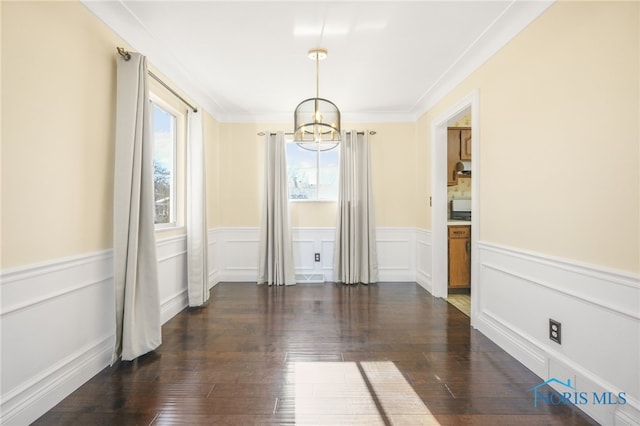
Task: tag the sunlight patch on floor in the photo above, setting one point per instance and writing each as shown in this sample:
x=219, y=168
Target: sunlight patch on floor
x=371, y=393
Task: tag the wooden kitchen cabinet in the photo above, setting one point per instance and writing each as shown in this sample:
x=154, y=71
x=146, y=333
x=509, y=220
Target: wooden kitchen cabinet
x=459, y=256
x=465, y=144
x=453, y=155
x=458, y=149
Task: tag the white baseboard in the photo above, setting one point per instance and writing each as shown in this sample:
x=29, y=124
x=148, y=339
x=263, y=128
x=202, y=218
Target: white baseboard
x=23, y=405
x=56, y=307
x=173, y=305
x=518, y=292
x=48, y=313
x=213, y=258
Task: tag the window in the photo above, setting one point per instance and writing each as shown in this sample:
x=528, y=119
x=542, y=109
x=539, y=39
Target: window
x=164, y=165
x=312, y=171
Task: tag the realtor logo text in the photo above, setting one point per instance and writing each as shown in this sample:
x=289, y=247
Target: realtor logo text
x=572, y=396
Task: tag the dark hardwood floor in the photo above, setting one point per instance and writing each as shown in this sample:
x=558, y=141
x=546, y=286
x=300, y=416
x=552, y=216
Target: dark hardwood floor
x=330, y=354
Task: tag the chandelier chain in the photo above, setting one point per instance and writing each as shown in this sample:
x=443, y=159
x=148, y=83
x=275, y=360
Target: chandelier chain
x=317, y=75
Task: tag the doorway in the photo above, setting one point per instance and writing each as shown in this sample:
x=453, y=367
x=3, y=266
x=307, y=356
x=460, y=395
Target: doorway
x=440, y=196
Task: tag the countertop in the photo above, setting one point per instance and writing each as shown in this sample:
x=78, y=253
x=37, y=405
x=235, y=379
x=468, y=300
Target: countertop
x=458, y=222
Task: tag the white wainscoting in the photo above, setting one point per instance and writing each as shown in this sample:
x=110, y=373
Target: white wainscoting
x=600, y=314
x=396, y=254
x=213, y=258
x=172, y=276
x=57, y=317
x=57, y=331
x=238, y=252
x=306, y=243
x=424, y=259
x=57, y=324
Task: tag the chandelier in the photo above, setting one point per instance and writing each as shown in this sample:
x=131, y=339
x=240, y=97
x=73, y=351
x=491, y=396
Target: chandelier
x=317, y=119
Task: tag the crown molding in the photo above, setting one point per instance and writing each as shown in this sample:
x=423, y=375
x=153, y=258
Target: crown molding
x=502, y=30
x=119, y=18
x=517, y=16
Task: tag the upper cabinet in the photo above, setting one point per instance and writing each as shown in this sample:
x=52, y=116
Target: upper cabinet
x=453, y=155
x=458, y=149
x=465, y=144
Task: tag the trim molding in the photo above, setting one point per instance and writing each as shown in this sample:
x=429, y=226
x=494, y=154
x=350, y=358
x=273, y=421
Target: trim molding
x=238, y=249
x=523, y=346
x=514, y=19
x=173, y=305
x=32, y=398
x=76, y=293
x=517, y=16
x=424, y=257
x=595, y=271
x=22, y=273
x=635, y=315
x=49, y=297
x=519, y=291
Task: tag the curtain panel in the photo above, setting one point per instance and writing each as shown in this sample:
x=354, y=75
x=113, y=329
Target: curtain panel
x=276, y=254
x=197, y=270
x=355, y=256
x=138, y=324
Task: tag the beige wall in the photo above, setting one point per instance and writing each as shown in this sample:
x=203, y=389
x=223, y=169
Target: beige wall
x=239, y=166
x=241, y=169
x=422, y=162
x=212, y=155
x=393, y=168
x=559, y=110
x=58, y=118
x=58, y=79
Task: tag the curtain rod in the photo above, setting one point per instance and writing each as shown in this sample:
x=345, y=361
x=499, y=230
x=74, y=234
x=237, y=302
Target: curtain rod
x=371, y=132
x=127, y=56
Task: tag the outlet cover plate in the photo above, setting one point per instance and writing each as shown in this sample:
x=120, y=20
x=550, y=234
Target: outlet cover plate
x=555, y=331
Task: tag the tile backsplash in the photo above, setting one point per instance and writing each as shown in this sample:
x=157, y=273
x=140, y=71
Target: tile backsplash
x=463, y=122
x=461, y=190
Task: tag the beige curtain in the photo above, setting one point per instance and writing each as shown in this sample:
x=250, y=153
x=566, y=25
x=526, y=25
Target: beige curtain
x=134, y=246
x=355, y=257
x=197, y=270
x=276, y=255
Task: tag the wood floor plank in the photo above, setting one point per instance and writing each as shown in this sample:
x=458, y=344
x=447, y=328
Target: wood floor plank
x=387, y=353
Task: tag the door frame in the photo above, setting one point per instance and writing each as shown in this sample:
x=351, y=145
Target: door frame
x=439, y=193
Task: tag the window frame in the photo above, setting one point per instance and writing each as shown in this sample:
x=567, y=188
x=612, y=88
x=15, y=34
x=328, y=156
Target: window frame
x=178, y=189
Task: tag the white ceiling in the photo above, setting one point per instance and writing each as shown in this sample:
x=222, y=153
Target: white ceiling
x=247, y=61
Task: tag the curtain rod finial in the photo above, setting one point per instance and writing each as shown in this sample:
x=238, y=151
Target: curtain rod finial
x=123, y=53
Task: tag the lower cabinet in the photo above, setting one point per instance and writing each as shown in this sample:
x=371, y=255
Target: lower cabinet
x=459, y=256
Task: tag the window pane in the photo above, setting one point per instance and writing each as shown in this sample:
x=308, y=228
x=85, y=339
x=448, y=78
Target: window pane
x=302, y=172
x=329, y=167
x=164, y=137
x=312, y=173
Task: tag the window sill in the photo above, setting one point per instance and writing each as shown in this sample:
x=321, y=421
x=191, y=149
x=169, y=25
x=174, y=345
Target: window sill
x=169, y=228
x=303, y=200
